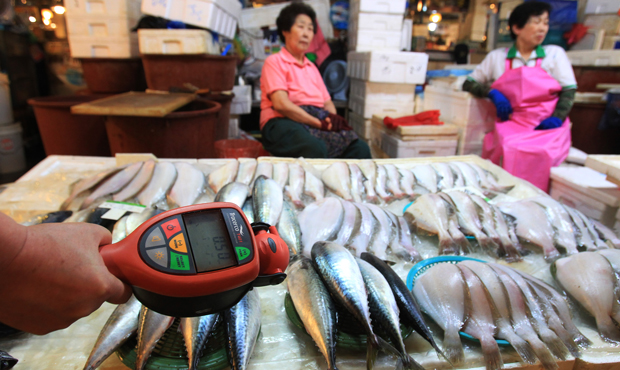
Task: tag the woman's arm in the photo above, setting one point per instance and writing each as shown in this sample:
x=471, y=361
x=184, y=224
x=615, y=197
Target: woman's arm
x=330, y=107
x=283, y=105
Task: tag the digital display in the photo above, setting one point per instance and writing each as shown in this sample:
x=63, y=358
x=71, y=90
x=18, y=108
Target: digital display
x=209, y=240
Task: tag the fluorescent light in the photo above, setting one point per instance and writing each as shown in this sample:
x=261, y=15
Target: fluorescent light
x=58, y=9
x=432, y=27
x=32, y=19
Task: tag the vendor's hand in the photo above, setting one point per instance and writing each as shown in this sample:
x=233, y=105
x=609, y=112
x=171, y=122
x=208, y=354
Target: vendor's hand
x=339, y=123
x=326, y=124
x=549, y=123
x=54, y=276
x=502, y=105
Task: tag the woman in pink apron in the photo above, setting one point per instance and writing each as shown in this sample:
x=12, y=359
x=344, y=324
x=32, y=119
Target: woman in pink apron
x=533, y=89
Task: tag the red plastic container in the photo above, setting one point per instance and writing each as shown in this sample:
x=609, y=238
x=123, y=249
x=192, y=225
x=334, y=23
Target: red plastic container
x=186, y=133
x=213, y=72
x=108, y=76
x=238, y=148
x=64, y=133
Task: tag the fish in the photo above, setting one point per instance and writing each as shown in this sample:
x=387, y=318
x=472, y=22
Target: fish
x=289, y=229
x=120, y=229
x=337, y=178
x=280, y=174
x=223, y=175
x=393, y=182
x=480, y=323
x=112, y=185
x=384, y=311
x=444, y=175
x=267, y=200
x=248, y=210
x=469, y=175
x=493, y=291
x=196, y=331
x=488, y=180
x=407, y=182
x=600, y=244
x=188, y=186
x=508, y=239
x=121, y=325
x=613, y=257
x=410, y=312
x=234, y=192
x=357, y=182
x=134, y=220
x=52, y=217
x=361, y=239
x=564, y=233
x=151, y=327
x=537, y=317
x=384, y=235
x=296, y=182
x=381, y=184
x=343, y=279
x=395, y=239
x=497, y=233
x=369, y=170
x=315, y=306
x=88, y=183
x=426, y=177
x=532, y=226
x=320, y=221
x=164, y=176
x=584, y=239
x=138, y=183
x=350, y=223
x=589, y=279
x=405, y=241
x=94, y=215
x=459, y=178
x=606, y=234
x=243, y=323
x=246, y=170
x=263, y=168
x=7, y=361
x=313, y=186
x=441, y=293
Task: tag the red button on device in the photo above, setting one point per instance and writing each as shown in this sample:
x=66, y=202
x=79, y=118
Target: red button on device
x=171, y=227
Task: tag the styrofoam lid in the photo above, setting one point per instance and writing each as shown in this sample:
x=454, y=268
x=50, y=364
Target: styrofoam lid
x=583, y=176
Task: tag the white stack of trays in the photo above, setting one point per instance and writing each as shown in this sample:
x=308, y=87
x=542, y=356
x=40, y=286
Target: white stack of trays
x=473, y=116
x=176, y=42
x=102, y=28
x=375, y=25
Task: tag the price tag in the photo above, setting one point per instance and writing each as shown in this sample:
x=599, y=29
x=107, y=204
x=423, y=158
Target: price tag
x=119, y=209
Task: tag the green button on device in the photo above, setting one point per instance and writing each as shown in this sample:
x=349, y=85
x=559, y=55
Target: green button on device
x=179, y=261
x=242, y=253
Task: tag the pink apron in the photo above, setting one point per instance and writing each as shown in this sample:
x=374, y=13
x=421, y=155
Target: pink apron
x=514, y=144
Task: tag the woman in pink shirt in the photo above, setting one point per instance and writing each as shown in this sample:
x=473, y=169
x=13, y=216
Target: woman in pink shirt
x=298, y=118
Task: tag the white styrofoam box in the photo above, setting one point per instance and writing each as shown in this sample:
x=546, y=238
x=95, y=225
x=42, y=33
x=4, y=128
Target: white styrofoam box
x=368, y=108
x=233, y=127
x=379, y=91
x=366, y=40
x=378, y=6
x=598, y=58
x=361, y=125
x=470, y=149
x=266, y=16
x=110, y=8
x=242, y=102
x=104, y=47
x=459, y=107
x=388, y=66
x=217, y=15
x=175, y=41
x=471, y=136
x=377, y=22
x=602, y=6
x=396, y=148
x=406, y=34
x=99, y=25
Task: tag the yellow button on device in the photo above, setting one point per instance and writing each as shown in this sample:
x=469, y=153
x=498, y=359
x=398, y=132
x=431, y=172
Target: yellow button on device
x=178, y=244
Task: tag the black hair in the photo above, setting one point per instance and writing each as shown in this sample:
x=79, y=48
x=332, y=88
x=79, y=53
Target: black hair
x=522, y=13
x=289, y=14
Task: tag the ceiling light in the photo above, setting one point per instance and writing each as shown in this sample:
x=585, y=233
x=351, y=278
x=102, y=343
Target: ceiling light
x=32, y=19
x=58, y=9
x=432, y=27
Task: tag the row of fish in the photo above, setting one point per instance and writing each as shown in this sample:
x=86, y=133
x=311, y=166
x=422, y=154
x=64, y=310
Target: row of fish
x=242, y=323
x=593, y=280
x=490, y=301
x=367, y=288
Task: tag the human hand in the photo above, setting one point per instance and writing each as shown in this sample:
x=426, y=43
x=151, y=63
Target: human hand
x=549, y=123
x=502, y=105
x=326, y=124
x=339, y=123
x=55, y=276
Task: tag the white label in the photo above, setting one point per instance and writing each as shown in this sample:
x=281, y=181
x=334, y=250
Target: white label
x=114, y=214
x=127, y=207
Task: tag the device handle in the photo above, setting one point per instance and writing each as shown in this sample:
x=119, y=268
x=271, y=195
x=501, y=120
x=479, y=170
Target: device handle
x=112, y=254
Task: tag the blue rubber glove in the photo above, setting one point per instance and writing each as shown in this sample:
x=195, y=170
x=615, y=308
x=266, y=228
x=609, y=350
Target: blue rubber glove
x=549, y=123
x=504, y=109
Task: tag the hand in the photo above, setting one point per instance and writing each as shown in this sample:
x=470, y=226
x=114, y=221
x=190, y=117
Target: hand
x=339, y=123
x=549, y=123
x=504, y=109
x=325, y=124
x=55, y=275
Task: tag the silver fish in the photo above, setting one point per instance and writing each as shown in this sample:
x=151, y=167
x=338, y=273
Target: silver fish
x=112, y=185
x=395, y=243
x=564, y=233
x=289, y=229
x=385, y=234
x=51, y=217
x=363, y=237
x=234, y=192
x=613, y=257
x=320, y=221
x=188, y=186
x=314, y=306
x=600, y=244
x=498, y=232
x=445, y=176
x=122, y=324
x=223, y=175
x=120, y=229
x=88, y=183
x=470, y=176
x=381, y=184
x=393, y=183
x=369, y=169
x=407, y=182
x=163, y=177
x=357, y=182
x=313, y=186
x=426, y=176
x=248, y=210
x=243, y=326
x=267, y=199
x=134, y=220
x=337, y=178
x=247, y=167
x=295, y=187
x=459, y=178
x=488, y=180
x=151, y=327
x=196, y=331
x=138, y=183
x=584, y=239
x=350, y=223
x=280, y=174
x=263, y=168
x=606, y=234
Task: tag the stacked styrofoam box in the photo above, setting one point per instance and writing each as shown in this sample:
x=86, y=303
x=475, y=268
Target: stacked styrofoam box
x=375, y=25
x=361, y=125
x=598, y=58
x=176, y=42
x=220, y=16
x=102, y=28
x=473, y=116
x=382, y=99
x=242, y=102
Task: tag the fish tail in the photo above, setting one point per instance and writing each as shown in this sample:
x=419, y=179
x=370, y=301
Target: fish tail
x=554, y=344
x=453, y=347
x=568, y=341
x=490, y=351
x=542, y=352
x=524, y=350
x=371, y=353
x=447, y=246
x=488, y=245
x=407, y=362
x=607, y=329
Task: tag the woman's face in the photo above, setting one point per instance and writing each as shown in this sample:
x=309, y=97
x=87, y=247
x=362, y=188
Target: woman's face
x=534, y=31
x=300, y=36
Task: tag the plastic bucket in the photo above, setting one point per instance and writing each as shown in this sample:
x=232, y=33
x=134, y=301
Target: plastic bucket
x=6, y=109
x=186, y=133
x=238, y=148
x=12, y=158
x=223, y=119
x=213, y=72
x=103, y=75
x=64, y=133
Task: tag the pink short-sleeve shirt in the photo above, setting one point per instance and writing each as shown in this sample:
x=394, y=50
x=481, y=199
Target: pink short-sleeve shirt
x=302, y=82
